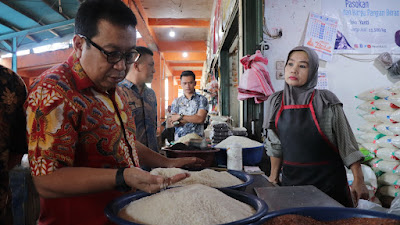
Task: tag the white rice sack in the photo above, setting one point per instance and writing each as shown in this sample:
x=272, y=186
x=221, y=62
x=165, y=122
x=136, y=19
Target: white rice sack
x=377, y=171
x=389, y=179
x=190, y=205
x=384, y=129
x=384, y=116
x=358, y=139
x=367, y=106
x=387, y=154
x=395, y=88
x=384, y=92
x=207, y=177
x=395, y=128
x=387, y=166
x=394, y=99
x=371, y=147
x=368, y=95
x=370, y=117
x=395, y=116
x=396, y=141
x=242, y=141
x=383, y=104
x=368, y=137
x=369, y=127
x=385, y=142
x=391, y=191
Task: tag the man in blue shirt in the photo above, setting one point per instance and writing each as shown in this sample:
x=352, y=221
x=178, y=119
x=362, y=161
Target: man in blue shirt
x=190, y=110
x=142, y=99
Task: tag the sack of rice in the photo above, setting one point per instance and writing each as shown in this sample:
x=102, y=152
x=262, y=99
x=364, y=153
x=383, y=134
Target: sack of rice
x=387, y=154
x=367, y=106
x=395, y=88
x=391, y=191
x=371, y=137
x=368, y=95
x=389, y=179
x=395, y=116
x=383, y=104
x=384, y=129
x=396, y=141
x=370, y=117
x=387, y=166
x=385, y=142
x=371, y=147
x=384, y=116
x=394, y=99
x=369, y=127
x=395, y=128
x=384, y=92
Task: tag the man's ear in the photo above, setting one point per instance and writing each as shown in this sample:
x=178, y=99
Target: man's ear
x=77, y=44
x=135, y=66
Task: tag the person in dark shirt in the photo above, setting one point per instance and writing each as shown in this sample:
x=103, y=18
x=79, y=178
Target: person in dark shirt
x=13, y=143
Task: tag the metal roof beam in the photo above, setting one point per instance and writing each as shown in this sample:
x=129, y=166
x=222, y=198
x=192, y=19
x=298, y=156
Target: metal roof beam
x=12, y=27
x=55, y=8
x=37, y=29
x=30, y=16
x=6, y=45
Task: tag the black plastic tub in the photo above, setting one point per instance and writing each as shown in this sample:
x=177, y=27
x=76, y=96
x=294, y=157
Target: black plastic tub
x=328, y=214
x=246, y=178
x=112, y=209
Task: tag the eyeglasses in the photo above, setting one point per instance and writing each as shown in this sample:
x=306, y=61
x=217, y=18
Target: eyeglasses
x=116, y=56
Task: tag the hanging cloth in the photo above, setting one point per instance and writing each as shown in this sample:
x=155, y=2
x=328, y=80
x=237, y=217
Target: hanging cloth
x=255, y=81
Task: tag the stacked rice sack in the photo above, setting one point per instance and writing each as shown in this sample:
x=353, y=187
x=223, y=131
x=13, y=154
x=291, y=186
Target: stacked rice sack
x=380, y=136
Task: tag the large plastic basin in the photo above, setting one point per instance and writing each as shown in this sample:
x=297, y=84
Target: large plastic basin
x=246, y=178
x=112, y=209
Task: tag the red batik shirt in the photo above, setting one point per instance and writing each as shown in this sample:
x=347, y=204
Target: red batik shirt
x=70, y=123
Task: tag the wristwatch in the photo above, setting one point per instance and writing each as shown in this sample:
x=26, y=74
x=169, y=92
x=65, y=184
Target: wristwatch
x=120, y=181
x=180, y=116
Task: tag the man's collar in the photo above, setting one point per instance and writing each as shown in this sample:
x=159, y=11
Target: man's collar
x=129, y=84
x=194, y=94
x=82, y=80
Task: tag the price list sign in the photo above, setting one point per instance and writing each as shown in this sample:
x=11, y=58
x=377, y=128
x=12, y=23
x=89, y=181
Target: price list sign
x=321, y=35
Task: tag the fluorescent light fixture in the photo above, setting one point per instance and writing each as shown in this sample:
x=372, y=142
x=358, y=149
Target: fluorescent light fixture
x=172, y=33
x=23, y=52
x=185, y=54
x=52, y=47
x=8, y=55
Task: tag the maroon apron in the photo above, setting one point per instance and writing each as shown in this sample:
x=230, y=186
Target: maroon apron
x=309, y=158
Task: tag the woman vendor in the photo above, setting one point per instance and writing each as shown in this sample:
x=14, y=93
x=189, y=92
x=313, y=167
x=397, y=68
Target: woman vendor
x=309, y=136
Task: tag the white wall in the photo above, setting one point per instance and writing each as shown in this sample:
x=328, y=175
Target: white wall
x=346, y=77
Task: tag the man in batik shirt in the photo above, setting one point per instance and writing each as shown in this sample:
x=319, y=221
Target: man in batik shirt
x=141, y=98
x=81, y=135
x=12, y=134
x=190, y=110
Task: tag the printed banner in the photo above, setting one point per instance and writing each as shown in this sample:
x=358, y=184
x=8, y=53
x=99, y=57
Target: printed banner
x=365, y=27
x=321, y=35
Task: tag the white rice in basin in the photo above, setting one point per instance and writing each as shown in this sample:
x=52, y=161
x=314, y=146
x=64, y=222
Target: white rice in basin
x=189, y=205
x=207, y=177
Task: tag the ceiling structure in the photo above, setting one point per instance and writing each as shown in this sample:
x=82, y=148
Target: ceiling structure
x=190, y=20
x=25, y=24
